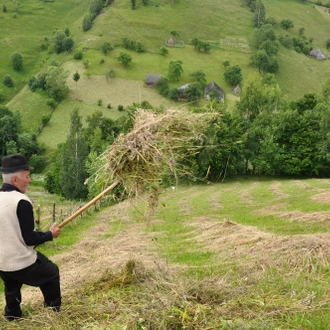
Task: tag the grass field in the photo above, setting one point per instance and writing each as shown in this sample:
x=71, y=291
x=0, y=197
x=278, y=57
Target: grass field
x=248, y=253
x=151, y=25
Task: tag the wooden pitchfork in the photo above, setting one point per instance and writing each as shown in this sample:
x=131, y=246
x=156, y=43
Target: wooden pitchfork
x=89, y=204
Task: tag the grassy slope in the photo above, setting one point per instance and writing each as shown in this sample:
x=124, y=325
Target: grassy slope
x=249, y=253
x=34, y=21
x=299, y=74
x=208, y=20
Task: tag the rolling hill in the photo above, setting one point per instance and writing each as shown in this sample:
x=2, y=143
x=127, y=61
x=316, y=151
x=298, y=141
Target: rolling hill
x=226, y=24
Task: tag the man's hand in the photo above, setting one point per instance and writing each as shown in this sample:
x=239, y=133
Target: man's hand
x=55, y=230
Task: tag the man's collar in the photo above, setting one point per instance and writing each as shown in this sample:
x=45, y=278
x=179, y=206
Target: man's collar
x=8, y=187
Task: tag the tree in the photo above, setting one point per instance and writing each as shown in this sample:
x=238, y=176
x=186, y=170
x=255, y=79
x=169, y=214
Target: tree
x=68, y=44
x=162, y=86
x=58, y=40
x=163, y=51
x=133, y=4
x=56, y=86
x=87, y=23
x=17, y=61
x=73, y=157
x=76, y=77
x=140, y=48
x=226, y=63
x=223, y=153
x=175, y=35
x=287, y=24
x=193, y=92
x=175, y=70
x=106, y=47
x=8, y=129
x=271, y=47
x=96, y=7
x=125, y=59
x=265, y=32
x=261, y=61
x=233, y=75
x=8, y=81
x=199, y=77
x=259, y=14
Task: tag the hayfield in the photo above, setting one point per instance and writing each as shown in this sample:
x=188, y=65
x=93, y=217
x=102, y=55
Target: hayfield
x=247, y=253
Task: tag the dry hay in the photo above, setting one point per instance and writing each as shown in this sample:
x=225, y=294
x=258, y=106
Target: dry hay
x=152, y=149
x=304, y=216
x=256, y=250
x=323, y=197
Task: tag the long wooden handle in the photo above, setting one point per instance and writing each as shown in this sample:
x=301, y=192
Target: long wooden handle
x=89, y=204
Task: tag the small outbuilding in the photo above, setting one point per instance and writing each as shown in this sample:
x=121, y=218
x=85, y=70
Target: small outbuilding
x=182, y=90
x=237, y=90
x=318, y=54
x=213, y=87
x=152, y=79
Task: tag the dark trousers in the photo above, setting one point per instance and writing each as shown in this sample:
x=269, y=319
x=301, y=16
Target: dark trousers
x=43, y=274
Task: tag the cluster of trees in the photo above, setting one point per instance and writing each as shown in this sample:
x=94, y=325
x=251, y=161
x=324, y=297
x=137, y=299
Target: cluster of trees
x=53, y=82
x=94, y=10
x=133, y=45
x=265, y=39
x=263, y=133
x=62, y=41
x=266, y=134
x=13, y=139
x=201, y=45
x=72, y=159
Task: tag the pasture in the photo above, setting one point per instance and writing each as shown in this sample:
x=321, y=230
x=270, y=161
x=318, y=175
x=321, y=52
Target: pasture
x=247, y=253
x=151, y=25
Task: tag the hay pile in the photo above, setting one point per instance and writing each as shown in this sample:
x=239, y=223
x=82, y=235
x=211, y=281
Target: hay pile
x=152, y=149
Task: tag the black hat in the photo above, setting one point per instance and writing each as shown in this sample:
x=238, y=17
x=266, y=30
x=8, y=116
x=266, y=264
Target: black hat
x=14, y=163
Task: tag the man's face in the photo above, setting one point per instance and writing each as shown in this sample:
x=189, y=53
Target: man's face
x=22, y=180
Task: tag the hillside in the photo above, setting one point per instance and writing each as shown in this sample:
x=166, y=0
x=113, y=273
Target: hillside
x=248, y=253
x=210, y=20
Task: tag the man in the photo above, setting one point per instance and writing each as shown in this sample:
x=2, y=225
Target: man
x=20, y=263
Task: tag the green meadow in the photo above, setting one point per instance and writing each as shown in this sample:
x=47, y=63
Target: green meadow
x=247, y=253
x=226, y=24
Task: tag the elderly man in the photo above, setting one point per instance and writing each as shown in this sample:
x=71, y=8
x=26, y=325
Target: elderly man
x=20, y=263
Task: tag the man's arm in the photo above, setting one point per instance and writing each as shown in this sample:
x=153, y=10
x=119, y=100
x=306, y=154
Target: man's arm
x=26, y=222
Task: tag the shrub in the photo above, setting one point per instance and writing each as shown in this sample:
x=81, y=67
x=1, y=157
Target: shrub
x=45, y=119
x=78, y=55
x=286, y=41
x=109, y=106
x=99, y=102
x=121, y=107
x=17, y=61
x=233, y=75
x=8, y=81
x=38, y=163
x=87, y=23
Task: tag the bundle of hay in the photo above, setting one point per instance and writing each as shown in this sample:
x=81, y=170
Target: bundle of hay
x=152, y=149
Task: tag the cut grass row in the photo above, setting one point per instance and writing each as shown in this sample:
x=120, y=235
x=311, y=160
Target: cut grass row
x=224, y=277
